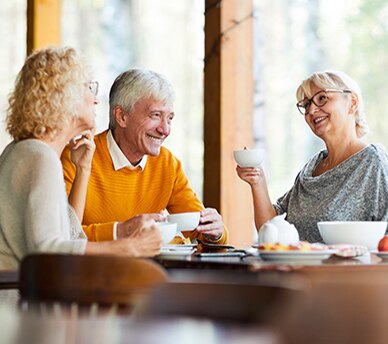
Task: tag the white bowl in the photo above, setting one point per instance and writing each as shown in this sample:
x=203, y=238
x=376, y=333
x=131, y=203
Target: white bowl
x=168, y=231
x=366, y=233
x=249, y=157
x=185, y=221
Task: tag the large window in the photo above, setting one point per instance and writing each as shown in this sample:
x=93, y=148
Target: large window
x=13, y=52
x=294, y=38
x=165, y=36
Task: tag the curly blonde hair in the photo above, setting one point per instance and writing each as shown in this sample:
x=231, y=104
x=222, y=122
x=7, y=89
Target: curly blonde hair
x=338, y=80
x=48, y=92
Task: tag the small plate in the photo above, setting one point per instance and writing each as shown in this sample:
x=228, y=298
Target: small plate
x=382, y=255
x=297, y=255
x=173, y=247
x=176, y=253
x=221, y=254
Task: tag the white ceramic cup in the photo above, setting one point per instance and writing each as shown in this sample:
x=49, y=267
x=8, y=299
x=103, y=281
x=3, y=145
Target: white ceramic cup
x=185, y=221
x=249, y=157
x=168, y=231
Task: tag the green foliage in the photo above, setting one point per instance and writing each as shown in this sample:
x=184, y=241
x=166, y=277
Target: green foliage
x=294, y=38
x=368, y=58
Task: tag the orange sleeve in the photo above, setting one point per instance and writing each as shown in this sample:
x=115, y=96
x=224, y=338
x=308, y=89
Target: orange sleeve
x=184, y=199
x=94, y=232
x=69, y=169
x=194, y=234
x=99, y=231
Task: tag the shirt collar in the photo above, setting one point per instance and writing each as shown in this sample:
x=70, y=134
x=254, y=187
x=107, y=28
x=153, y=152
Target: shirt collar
x=118, y=158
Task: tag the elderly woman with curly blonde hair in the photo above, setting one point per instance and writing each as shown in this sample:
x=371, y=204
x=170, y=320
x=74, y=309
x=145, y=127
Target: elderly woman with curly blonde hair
x=52, y=103
x=347, y=181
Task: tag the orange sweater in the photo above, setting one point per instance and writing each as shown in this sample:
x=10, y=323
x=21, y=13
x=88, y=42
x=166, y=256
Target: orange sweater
x=119, y=195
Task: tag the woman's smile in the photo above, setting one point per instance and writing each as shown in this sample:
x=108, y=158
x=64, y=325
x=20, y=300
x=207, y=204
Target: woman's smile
x=319, y=119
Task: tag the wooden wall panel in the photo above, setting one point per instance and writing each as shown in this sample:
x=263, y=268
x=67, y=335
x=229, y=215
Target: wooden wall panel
x=43, y=24
x=228, y=111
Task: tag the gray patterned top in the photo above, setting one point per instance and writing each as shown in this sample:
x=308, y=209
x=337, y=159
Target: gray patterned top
x=355, y=190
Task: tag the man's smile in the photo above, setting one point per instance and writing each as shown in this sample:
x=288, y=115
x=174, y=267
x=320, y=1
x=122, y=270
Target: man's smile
x=154, y=138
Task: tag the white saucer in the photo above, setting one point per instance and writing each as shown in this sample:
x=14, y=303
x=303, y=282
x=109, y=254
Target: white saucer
x=297, y=255
x=177, y=247
x=176, y=253
x=382, y=255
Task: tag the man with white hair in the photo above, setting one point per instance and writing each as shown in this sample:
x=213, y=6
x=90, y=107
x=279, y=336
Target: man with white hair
x=131, y=172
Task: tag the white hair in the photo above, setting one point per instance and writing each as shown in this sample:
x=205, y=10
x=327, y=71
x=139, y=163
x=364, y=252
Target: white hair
x=134, y=85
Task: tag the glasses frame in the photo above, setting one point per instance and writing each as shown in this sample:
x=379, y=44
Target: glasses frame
x=93, y=87
x=311, y=100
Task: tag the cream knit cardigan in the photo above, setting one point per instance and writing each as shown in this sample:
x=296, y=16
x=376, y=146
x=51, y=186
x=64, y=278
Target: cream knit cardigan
x=34, y=212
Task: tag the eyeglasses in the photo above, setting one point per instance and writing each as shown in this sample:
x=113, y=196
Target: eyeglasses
x=93, y=87
x=319, y=99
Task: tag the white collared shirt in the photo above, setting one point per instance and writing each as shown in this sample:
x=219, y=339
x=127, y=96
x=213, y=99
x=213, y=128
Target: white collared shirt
x=118, y=158
x=120, y=161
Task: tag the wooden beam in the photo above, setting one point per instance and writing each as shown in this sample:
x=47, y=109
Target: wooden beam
x=228, y=111
x=43, y=24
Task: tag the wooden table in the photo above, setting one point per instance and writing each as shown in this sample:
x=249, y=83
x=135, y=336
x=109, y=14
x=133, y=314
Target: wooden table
x=254, y=269
x=176, y=266
x=256, y=264
x=346, y=301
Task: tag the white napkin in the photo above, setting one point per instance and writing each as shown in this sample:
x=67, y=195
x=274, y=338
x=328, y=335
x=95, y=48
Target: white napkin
x=349, y=251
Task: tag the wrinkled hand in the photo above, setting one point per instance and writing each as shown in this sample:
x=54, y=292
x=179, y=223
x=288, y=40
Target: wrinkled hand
x=252, y=175
x=131, y=227
x=82, y=150
x=144, y=241
x=210, y=224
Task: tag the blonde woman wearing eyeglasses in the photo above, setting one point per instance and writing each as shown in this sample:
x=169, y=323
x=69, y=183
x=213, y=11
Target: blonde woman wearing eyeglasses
x=348, y=181
x=52, y=103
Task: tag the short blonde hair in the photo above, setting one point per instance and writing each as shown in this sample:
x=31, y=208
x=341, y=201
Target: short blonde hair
x=338, y=80
x=48, y=92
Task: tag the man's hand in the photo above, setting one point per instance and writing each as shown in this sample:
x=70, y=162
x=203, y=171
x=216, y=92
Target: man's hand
x=210, y=224
x=131, y=227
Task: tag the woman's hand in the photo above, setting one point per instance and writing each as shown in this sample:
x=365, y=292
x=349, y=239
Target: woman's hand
x=82, y=150
x=252, y=175
x=144, y=241
x=131, y=227
x=262, y=205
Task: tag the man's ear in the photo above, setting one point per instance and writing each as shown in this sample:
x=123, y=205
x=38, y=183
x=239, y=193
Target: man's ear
x=353, y=104
x=119, y=115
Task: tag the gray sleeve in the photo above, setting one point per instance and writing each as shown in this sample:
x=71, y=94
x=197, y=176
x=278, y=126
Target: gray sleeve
x=382, y=206
x=376, y=184
x=281, y=205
